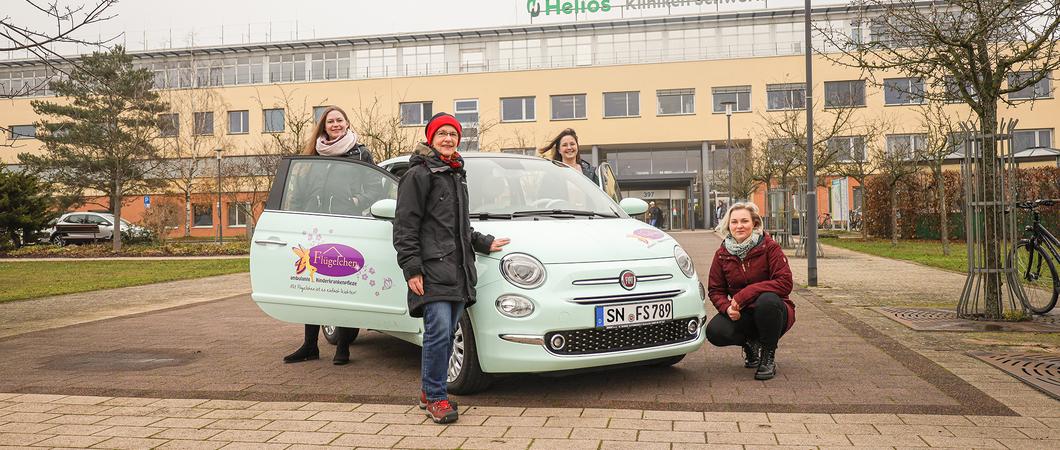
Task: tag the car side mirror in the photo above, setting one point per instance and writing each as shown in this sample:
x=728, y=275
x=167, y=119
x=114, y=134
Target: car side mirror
x=633, y=206
x=384, y=209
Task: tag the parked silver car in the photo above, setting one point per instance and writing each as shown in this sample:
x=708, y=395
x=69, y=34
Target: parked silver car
x=61, y=233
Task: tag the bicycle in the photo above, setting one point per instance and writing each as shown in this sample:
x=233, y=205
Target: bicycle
x=824, y=220
x=855, y=219
x=1035, y=259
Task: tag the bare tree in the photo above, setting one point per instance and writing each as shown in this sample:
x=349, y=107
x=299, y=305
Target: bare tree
x=858, y=156
x=380, y=129
x=897, y=164
x=188, y=153
x=974, y=51
x=745, y=180
x=940, y=129
x=68, y=22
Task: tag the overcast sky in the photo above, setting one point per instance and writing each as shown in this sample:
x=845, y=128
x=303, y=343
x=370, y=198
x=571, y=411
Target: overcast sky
x=173, y=24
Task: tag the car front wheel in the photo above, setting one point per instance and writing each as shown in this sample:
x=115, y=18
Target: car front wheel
x=331, y=334
x=58, y=241
x=465, y=376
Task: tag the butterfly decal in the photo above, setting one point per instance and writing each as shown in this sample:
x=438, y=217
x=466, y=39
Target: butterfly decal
x=303, y=262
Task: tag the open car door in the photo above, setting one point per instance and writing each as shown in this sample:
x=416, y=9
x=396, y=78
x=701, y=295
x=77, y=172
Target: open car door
x=608, y=182
x=319, y=257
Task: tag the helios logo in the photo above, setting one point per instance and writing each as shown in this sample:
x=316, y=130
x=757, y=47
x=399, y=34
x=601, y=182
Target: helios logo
x=557, y=7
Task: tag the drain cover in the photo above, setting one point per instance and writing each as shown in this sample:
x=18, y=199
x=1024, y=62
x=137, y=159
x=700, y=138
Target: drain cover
x=1037, y=370
x=119, y=360
x=934, y=319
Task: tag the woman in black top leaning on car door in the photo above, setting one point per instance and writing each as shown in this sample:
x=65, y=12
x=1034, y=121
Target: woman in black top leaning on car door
x=332, y=136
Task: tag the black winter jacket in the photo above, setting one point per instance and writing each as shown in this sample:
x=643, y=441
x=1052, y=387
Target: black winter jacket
x=433, y=234
x=325, y=190
x=588, y=170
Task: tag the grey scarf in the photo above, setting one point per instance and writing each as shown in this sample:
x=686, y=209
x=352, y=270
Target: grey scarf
x=741, y=249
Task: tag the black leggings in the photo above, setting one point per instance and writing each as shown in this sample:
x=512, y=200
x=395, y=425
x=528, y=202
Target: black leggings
x=765, y=321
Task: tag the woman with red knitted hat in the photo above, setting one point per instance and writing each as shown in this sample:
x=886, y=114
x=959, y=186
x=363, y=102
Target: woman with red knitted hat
x=436, y=251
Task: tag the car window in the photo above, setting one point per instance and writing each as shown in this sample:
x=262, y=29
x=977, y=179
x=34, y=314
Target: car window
x=74, y=218
x=608, y=182
x=398, y=168
x=96, y=220
x=508, y=185
x=335, y=187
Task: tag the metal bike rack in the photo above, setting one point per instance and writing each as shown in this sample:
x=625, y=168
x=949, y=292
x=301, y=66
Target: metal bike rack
x=986, y=220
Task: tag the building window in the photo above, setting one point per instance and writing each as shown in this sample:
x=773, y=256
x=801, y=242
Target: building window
x=676, y=101
x=741, y=95
x=466, y=112
x=839, y=94
x=903, y=91
x=249, y=70
x=273, y=120
x=238, y=122
x=566, y=107
x=330, y=65
x=953, y=91
x=202, y=214
x=517, y=109
x=238, y=214
x=621, y=104
x=169, y=124
x=318, y=112
x=203, y=125
x=1025, y=139
x=416, y=113
x=847, y=148
x=1041, y=89
x=16, y=132
x=906, y=145
x=286, y=68
x=785, y=96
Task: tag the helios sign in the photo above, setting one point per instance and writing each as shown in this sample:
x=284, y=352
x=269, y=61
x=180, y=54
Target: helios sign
x=538, y=8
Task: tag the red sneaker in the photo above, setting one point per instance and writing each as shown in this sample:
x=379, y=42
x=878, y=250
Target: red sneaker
x=423, y=401
x=442, y=411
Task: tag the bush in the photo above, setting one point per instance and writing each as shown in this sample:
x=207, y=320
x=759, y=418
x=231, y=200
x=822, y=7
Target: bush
x=160, y=217
x=235, y=248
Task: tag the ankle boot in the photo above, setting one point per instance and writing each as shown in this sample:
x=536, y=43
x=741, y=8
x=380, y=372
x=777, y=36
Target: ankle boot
x=767, y=366
x=308, y=350
x=750, y=354
x=343, y=337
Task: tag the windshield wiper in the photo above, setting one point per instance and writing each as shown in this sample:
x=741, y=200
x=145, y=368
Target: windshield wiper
x=561, y=212
x=487, y=215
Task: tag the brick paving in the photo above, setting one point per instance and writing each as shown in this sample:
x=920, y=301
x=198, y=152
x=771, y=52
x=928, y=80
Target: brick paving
x=209, y=376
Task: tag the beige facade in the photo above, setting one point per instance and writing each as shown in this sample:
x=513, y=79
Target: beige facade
x=633, y=144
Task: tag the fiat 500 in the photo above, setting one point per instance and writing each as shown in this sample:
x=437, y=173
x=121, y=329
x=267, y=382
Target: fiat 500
x=581, y=285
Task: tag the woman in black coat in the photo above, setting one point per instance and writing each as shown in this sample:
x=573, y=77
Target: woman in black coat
x=435, y=247
x=315, y=193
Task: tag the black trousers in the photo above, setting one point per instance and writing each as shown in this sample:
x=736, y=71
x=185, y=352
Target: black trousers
x=765, y=321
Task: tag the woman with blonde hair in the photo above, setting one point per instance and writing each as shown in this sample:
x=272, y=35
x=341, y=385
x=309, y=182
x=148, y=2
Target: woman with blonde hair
x=564, y=148
x=749, y=284
x=332, y=136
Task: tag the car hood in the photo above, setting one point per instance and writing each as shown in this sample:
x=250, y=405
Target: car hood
x=556, y=241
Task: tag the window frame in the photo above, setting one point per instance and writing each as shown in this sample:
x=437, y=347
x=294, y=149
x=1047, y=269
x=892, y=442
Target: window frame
x=790, y=89
x=426, y=111
x=169, y=125
x=680, y=94
x=523, y=109
x=585, y=107
x=730, y=90
x=194, y=216
x=912, y=142
x=1033, y=89
x=626, y=97
x=238, y=213
x=907, y=93
x=1037, y=137
x=849, y=148
x=828, y=103
x=245, y=121
x=16, y=136
x=196, y=130
x=265, y=121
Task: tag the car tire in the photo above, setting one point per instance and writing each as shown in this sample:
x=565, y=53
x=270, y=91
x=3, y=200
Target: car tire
x=59, y=241
x=330, y=334
x=465, y=376
x=667, y=362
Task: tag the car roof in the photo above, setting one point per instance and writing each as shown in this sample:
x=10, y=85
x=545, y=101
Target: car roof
x=467, y=155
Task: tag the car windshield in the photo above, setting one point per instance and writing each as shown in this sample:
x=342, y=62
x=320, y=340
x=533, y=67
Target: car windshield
x=518, y=187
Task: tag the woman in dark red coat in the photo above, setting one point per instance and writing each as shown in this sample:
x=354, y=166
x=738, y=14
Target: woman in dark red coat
x=750, y=281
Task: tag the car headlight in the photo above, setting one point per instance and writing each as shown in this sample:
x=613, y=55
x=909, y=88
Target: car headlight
x=515, y=305
x=523, y=270
x=684, y=261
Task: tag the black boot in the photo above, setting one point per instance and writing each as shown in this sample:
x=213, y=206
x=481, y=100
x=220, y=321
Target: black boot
x=767, y=365
x=309, y=349
x=343, y=337
x=750, y=354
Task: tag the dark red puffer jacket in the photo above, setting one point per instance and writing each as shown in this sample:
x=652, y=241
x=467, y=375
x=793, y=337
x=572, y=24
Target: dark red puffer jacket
x=765, y=269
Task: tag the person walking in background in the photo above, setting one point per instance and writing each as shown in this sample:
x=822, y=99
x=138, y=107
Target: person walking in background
x=435, y=247
x=332, y=136
x=564, y=148
x=654, y=215
x=749, y=284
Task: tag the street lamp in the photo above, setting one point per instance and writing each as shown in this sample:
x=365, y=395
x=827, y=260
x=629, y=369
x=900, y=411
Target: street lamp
x=728, y=145
x=220, y=219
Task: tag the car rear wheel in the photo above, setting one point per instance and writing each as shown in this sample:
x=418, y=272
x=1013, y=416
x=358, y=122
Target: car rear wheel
x=58, y=241
x=465, y=376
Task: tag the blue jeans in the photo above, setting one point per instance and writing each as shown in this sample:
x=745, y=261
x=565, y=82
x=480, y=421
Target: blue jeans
x=439, y=324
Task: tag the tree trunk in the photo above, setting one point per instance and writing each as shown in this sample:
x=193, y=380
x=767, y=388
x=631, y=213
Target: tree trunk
x=765, y=208
x=894, y=215
x=991, y=244
x=187, y=213
x=864, y=208
x=115, y=238
x=944, y=229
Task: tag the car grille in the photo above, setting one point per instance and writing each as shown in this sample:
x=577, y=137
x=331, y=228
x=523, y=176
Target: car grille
x=604, y=340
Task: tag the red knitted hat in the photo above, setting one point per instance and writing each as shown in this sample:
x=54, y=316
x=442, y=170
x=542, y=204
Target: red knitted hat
x=437, y=122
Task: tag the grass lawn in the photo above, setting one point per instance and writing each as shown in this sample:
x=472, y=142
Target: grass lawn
x=32, y=279
x=928, y=253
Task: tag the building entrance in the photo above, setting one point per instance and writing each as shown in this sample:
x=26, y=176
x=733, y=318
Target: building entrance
x=672, y=202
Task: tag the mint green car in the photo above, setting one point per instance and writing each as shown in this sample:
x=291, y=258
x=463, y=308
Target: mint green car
x=581, y=285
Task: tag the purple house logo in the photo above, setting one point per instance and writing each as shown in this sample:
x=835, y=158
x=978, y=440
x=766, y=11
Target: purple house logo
x=336, y=260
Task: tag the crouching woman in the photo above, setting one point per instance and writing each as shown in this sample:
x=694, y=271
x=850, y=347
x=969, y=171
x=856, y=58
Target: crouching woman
x=750, y=281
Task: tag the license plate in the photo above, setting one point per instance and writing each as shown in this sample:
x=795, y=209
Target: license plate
x=633, y=313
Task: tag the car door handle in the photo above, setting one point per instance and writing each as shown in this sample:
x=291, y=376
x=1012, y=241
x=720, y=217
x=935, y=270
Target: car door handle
x=264, y=242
